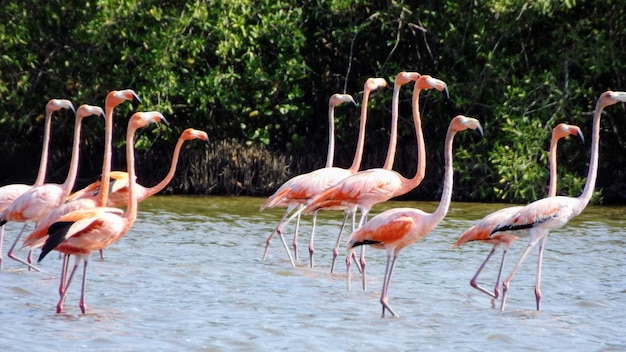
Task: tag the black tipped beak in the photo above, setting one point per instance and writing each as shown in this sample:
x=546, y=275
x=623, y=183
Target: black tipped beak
x=581, y=137
x=446, y=92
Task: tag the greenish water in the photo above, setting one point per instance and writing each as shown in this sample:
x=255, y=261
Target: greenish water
x=189, y=276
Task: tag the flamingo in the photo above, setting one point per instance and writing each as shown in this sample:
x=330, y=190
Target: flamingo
x=544, y=215
x=9, y=193
x=401, y=79
x=37, y=202
x=118, y=195
x=40, y=233
x=367, y=188
x=83, y=231
x=296, y=191
x=397, y=228
x=489, y=222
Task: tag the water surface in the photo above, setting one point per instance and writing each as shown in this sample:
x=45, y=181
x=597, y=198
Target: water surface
x=189, y=276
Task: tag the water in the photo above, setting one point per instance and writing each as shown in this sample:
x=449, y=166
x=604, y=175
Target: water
x=189, y=276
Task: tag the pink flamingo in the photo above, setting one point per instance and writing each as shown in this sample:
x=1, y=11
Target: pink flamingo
x=118, y=196
x=544, y=215
x=37, y=202
x=397, y=228
x=11, y=192
x=296, y=191
x=40, y=233
x=83, y=231
x=369, y=187
x=401, y=79
x=489, y=222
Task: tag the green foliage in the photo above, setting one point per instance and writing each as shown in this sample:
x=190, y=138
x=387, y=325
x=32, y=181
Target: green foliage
x=260, y=73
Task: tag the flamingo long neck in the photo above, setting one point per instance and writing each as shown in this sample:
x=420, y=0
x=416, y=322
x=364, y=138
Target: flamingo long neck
x=43, y=163
x=446, y=195
x=393, y=138
x=552, y=184
x=73, y=169
x=131, y=209
x=360, y=144
x=585, y=197
x=331, y=136
x=421, y=147
x=170, y=174
x=105, y=179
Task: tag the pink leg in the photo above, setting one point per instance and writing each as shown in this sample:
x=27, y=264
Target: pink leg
x=384, y=295
x=507, y=282
x=101, y=254
x=69, y=281
x=12, y=256
x=496, y=289
x=268, y=241
x=538, y=278
x=336, y=249
x=83, y=306
x=474, y=280
x=311, y=249
x=64, y=268
x=348, y=265
x=362, y=261
x=294, y=244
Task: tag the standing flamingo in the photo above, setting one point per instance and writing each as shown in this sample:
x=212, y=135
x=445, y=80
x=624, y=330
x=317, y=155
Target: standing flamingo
x=118, y=195
x=401, y=79
x=83, y=231
x=11, y=192
x=544, y=215
x=397, y=228
x=296, y=191
x=489, y=222
x=367, y=188
x=37, y=202
x=38, y=236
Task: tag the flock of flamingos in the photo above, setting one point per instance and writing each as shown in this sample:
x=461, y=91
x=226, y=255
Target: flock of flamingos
x=76, y=224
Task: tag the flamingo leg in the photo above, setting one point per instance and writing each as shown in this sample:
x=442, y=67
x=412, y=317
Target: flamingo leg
x=101, y=254
x=69, y=281
x=496, y=289
x=64, y=269
x=336, y=249
x=268, y=241
x=362, y=258
x=507, y=282
x=474, y=280
x=83, y=306
x=311, y=249
x=12, y=256
x=538, y=278
x=384, y=295
x=294, y=244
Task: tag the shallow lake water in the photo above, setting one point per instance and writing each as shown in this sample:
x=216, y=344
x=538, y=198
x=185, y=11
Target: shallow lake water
x=189, y=276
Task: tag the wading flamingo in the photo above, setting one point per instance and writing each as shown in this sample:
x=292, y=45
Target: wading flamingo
x=9, y=193
x=489, y=222
x=37, y=202
x=39, y=235
x=369, y=187
x=544, y=215
x=397, y=228
x=296, y=191
x=83, y=231
x=401, y=79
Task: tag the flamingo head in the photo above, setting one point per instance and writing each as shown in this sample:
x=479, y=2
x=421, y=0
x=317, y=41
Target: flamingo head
x=406, y=77
x=190, y=133
x=143, y=118
x=337, y=99
x=610, y=97
x=88, y=110
x=116, y=97
x=58, y=104
x=428, y=82
x=564, y=130
x=461, y=123
x=374, y=83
